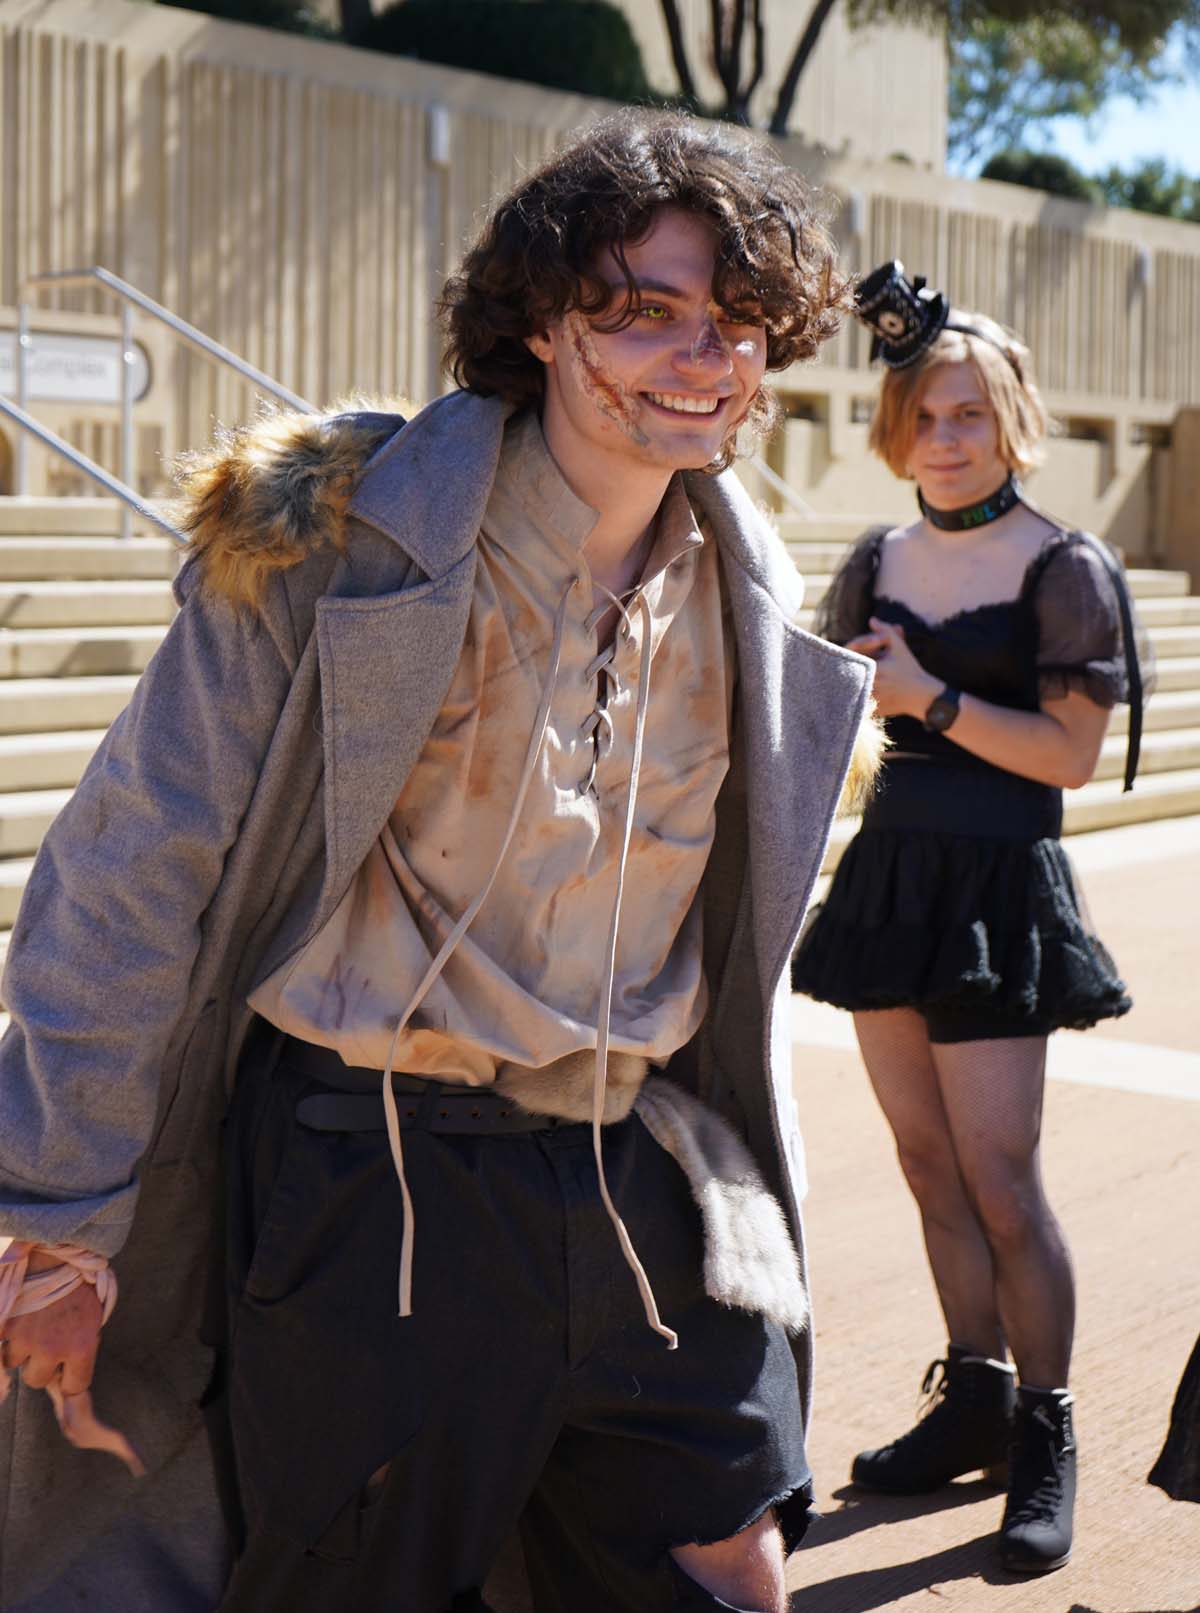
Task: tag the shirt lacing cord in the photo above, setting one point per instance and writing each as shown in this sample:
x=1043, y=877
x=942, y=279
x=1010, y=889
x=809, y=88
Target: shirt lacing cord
x=598, y=722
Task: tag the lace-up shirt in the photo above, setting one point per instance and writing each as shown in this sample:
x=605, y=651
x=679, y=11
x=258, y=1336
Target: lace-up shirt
x=523, y=984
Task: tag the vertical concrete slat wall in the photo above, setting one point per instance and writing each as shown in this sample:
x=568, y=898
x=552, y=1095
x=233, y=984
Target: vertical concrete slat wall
x=283, y=196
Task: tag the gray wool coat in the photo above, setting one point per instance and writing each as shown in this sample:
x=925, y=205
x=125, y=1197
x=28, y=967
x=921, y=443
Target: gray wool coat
x=219, y=824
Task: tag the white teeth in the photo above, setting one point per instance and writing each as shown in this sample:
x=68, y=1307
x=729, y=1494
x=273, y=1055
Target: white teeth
x=683, y=404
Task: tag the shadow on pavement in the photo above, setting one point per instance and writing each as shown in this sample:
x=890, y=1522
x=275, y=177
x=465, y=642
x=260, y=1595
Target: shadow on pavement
x=1079, y=1607
x=870, y=1588
x=861, y=1509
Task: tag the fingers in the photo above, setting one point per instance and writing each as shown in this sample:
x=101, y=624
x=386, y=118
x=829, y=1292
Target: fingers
x=890, y=632
x=868, y=644
x=63, y=1338
x=84, y=1429
x=78, y=1371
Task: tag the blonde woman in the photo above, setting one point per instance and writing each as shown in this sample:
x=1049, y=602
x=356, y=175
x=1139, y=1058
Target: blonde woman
x=953, y=928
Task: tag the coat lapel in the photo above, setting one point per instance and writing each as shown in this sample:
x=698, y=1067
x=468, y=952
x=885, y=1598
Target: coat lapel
x=387, y=659
x=801, y=703
x=386, y=665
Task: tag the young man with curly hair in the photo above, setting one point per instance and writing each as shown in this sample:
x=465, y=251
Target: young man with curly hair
x=458, y=801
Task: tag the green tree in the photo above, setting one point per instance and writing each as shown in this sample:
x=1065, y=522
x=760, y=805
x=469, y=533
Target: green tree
x=1152, y=187
x=1127, y=40
x=1041, y=170
x=293, y=16
x=581, y=45
x=1008, y=77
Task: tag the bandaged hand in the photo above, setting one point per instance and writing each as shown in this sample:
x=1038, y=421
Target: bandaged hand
x=54, y=1300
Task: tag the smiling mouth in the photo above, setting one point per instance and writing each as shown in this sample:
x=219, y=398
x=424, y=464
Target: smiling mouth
x=683, y=403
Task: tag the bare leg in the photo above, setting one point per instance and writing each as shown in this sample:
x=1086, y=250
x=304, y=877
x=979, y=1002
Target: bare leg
x=991, y=1093
x=746, y=1570
x=900, y=1062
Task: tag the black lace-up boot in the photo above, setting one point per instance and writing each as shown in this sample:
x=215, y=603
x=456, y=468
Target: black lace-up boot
x=964, y=1428
x=1036, y=1533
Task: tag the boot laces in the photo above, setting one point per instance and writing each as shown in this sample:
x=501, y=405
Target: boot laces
x=1040, y=1465
x=932, y=1396
x=933, y=1387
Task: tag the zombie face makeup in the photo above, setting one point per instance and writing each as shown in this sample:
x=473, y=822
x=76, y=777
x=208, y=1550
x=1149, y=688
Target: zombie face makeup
x=663, y=389
x=607, y=391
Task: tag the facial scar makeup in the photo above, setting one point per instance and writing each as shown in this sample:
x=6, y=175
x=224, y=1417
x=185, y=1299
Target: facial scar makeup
x=611, y=397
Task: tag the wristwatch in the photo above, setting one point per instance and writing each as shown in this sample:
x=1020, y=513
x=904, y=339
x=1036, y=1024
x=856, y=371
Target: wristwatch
x=942, y=710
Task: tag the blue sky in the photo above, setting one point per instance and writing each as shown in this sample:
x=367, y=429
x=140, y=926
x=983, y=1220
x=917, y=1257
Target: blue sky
x=1125, y=133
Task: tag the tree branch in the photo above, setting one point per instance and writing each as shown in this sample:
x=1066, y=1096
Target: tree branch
x=760, y=50
x=726, y=42
x=683, y=68
x=817, y=19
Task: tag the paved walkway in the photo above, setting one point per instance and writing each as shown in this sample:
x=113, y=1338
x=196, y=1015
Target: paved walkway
x=1122, y=1162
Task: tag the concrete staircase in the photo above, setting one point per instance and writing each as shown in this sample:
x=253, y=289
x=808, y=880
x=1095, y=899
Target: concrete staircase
x=81, y=613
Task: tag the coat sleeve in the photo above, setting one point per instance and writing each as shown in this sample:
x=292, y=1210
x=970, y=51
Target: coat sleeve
x=109, y=928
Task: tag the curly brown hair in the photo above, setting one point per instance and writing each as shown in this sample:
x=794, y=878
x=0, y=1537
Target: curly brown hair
x=538, y=256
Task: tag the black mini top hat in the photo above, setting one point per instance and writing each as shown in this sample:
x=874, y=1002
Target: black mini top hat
x=904, y=316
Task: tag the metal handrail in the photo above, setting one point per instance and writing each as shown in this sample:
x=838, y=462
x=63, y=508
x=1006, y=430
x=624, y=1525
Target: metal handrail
x=131, y=298
x=89, y=467
x=785, y=489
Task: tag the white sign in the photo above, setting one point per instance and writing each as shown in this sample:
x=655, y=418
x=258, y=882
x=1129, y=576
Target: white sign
x=71, y=369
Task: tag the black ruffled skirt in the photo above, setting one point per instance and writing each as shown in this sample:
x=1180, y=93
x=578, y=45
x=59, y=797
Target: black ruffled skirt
x=970, y=923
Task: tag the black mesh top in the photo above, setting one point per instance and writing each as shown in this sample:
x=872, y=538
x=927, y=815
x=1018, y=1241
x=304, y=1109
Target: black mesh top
x=1062, y=632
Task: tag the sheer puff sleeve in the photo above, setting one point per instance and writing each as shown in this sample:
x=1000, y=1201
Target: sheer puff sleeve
x=1080, y=644
x=846, y=606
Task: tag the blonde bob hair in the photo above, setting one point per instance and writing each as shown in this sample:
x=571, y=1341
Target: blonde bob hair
x=1002, y=364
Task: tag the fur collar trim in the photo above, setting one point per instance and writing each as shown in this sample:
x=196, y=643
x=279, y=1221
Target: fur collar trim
x=267, y=494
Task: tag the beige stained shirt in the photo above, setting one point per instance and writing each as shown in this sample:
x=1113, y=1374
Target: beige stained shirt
x=523, y=984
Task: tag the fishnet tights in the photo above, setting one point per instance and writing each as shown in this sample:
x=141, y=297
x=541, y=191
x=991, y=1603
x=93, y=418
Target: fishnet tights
x=966, y=1117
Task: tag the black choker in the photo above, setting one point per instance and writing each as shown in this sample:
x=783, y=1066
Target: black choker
x=1005, y=498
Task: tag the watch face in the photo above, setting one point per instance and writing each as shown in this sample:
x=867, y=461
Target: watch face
x=941, y=713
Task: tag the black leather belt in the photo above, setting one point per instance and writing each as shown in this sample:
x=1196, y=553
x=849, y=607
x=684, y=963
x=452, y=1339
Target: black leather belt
x=421, y=1104
x=460, y=1113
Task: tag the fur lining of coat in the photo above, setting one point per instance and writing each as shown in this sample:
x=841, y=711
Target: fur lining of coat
x=750, y=1261
x=267, y=494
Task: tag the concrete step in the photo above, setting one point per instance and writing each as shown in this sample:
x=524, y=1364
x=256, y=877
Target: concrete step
x=812, y=557
x=25, y=815
x=14, y=872
x=56, y=652
x=839, y=529
x=1174, y=640
x=1173, y=708
x=84, y=604
x=46, y=761
x=25, y=559
x=45, y=705
x=1171, y=749
x=1177, y=610
x=1103, y=805
x=62, y=517
x=1176, y=673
